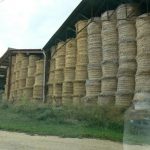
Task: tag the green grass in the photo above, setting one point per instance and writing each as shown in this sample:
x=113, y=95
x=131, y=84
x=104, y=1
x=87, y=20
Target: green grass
x=89, y=122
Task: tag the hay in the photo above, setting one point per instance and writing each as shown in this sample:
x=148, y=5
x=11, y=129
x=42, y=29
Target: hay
x=106, y=100
x=32, y=60
x=51, y=77
x=94, y=72
x=52, y=64
x=28, y=92
x=13, y=60
x=25, y=62
x=109, y=68
x=38, y=92
x=67, y=100
x=23, y=73
x=141, y=96
x=57, y=101
x=108, y=15
x=19, y=94
x=125, y=10
x=50, y=89
x=79, y=88
x=89, y=100
x=109, y=84
x=81, y=73
x=39, y=80
x=67, y=89
x=18, y=66
x=82, y=59
x=49, y=100
x=30, y=81
x=142, y=83
x=53, y=50
x=93, y=87
x=60, y=62
x=94, y=41
x=22, y=83
x=81, y=29
x=17, y=85
x=77, y=100
x=61, y=49
x=126, y=84
x=70, y=62
x=57, y=90
x=59, y=76
x=69, y=74
x=31, y=71
x=19, y=57
x=39, y=67
x=71, y=47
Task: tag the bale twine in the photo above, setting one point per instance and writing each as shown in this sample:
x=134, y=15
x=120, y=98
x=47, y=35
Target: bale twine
x=13, y=60
x=94, y=26
x=51, y=77
x=94, y=72
x=127, y=10
x=67, y=89
x=32, y=60
x=67, y=100
x=61, y=49
x=127, y=50
x=70, y=62
x=25, y=62
x=126, y=84
x=93, y=87
x=60, y=62
x=82, y=59
x=28, y=92
x=81, y=28
x=81, y=73
x=30, y=81
x=50, y=89
x=39, y=79
x=123, y=100
x=106, y=99
x=79, y=88
x=59, y=76
x=71, y=47
x=39, y=66
x=57, y=90
x=22, y=83
x=127, y=66
x=31, y=71
x=94, y=41
x=108, y=15
x=109, y=68
x=126, y=31
x=52, y=64
x=143, y=64
x=23, y=73
x=109, y=84
x=142, y=83
x=38, y=92
x=69, y=74
x=141, y=96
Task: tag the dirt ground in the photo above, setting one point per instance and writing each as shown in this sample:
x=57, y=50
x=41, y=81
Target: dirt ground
x=20, y=141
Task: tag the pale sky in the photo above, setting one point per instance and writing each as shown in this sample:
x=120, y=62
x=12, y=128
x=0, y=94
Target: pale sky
x=31, y=23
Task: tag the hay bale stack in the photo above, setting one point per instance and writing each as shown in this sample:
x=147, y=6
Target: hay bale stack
x=127, y=53
x=69, y=74
x=57, y=94
x=28, y=93
x=109, y=62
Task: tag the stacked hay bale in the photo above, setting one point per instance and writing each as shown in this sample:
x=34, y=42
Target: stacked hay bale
x=142, y=87
x=28, y=90
x=38, y=84
x=59, y=72
x=6, y=85
x=51, y=78
x=127, y=53
x=93, y=84
x=110, y=58
x=81, y=74
x=69, y=71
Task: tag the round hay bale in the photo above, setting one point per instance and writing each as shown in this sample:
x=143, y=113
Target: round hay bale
x=23, y=73
x=57, y=101
x=79, y=88
x=70, y=62
x=52, y=64
x=22, y=83
x=81, y=73
x=28, y=92
x=141, y=96
x=94, y=72
x=67, y=100
x=30, y=81
x=61, y=49
x=39, y=80
x=126, y=31
x=13, y=60
x=125, y=11
x=18, y=66
x=81, y=28
x=94, y=26
x=39, y=66
x=51, y=77
x=24, y=62
x=37, y=92
x=109, y=84
x=110, y=52
x=32, y=60
x=127, y=50
x=69, y=74
x=142, y=83
x=106, y=100
x=93, y=87
x=59, y=76
x=57, y=90
x=108, y=15
x=82, y=45
x=126, y=84
x=109, y=68
x=77, y=100
x=67, y=89
x=19, y=57
x=50, y=89
x=71, y=47
x=31, y=71
x=123, y=100
x=60, y=62
x=82, y=59
x=17, y=85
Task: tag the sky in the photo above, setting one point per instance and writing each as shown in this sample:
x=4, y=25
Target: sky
x=31, y=23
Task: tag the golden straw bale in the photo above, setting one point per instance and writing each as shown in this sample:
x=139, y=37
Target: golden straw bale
x=50, y=89
x=52, y=64
x=108, y=15
x=28, y=92
x=25, y=62
x=77, y=101
x=106, y=99
x=71, y=47
x=67, y=100
x=57, y=90
x=23, y=73
x=59, y=76
x=70, y=62
x=82, y=59
x=51, y=77
x=22, y=83
x=39, y=66
x=32, y=60
x=30, y=81
x=38, y=92
x=94, y=41
x=69, y=74
x=67, y=89
x=19, y=94
x=31, y=71
x=39, y=79
x=60, y=62
x=17, y=85
x=61, y=49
